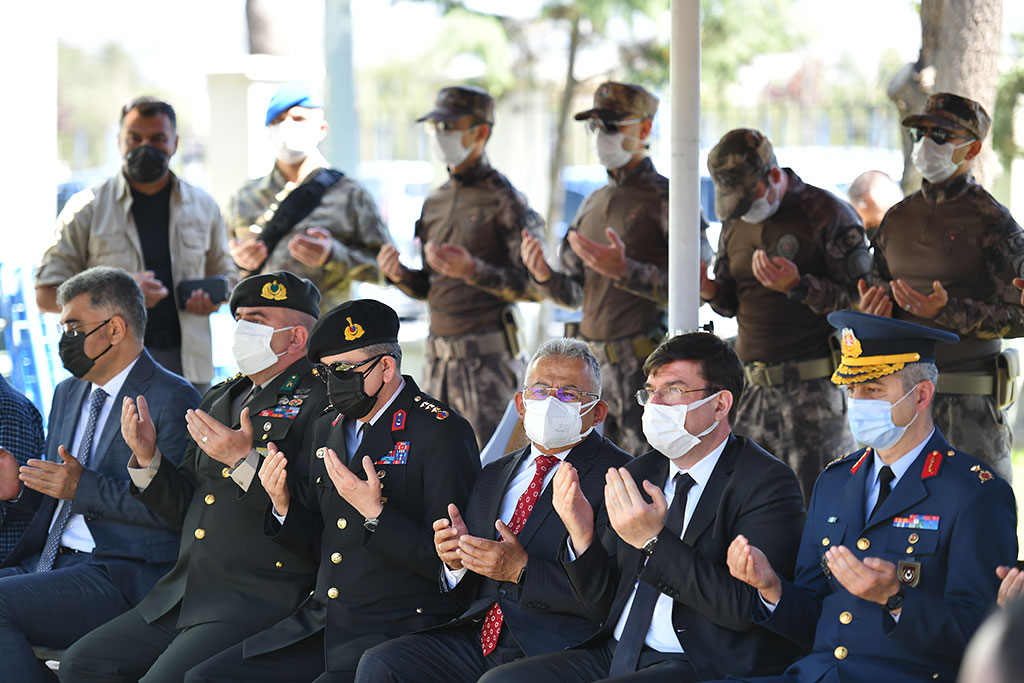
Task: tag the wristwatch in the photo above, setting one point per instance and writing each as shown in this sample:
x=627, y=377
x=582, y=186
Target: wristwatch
x=522, y=575
x=799, y=292
x=370, y=523
x=648, y=547
x=895, y=602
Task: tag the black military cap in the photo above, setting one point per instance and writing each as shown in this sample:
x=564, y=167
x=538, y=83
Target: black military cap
x=279, y=289
x=461, y=100
x=953, y=111
x=616, y=101
x=352, y=325
x=874, y=346
x=740, y=159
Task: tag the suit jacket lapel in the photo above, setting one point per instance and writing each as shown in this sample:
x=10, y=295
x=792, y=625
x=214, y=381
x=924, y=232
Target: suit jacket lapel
x=707, y=506
x=910, y=489
x=853, y=494
x=494, y=505
x=135, y=384
x=378, y=439
x=77, y=396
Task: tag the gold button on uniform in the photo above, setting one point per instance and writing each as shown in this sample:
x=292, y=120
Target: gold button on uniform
x=342, y=522
x=840, y=652
x=264, y=437
x=226, y=472
x=825, y=541
x=910, y=550
x=278, y=564
x=209, y=499
x=336, y=558
x=845, y=618
x=419, y=610
x=200, y=533
x=321, y=452
x=914, y=538
x=381, y=474
x=332, y=592
x=863, y=544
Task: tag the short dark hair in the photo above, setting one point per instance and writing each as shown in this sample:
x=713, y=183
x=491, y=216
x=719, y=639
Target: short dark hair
x=112, y=289
x=719, y=365
x=150, y=106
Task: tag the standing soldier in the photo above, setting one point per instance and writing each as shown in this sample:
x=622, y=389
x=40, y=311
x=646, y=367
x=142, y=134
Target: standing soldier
x=946, y=256
x=789, y=254
x=305, y=217
x=470, y=231
x=614, y=258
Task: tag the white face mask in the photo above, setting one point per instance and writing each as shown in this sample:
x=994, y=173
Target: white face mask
x=294, y=140
x=762, y=209
x=665, y=427
x=610, y=151
x=251, y=346
x=552, y=424
x=935, y=161
x=871, y=421
x=450, y=147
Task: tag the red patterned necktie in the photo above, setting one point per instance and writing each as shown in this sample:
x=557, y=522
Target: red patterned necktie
x=494, y=618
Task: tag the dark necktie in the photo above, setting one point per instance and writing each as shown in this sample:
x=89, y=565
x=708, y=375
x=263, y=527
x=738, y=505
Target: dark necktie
x=638, y=623
x=524, y=506
x=49, y=554
x=885, y=477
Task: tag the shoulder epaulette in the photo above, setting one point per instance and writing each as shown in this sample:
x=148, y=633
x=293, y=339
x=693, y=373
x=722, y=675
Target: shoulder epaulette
x=846, y=458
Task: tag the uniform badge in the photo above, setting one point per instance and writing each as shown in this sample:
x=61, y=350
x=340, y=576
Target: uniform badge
x=927, y=522
x=931, y=465
x=336, y=420
x=289, y=383
x=398, y=455
x=283, y=401
x=851, y=345
x=856, y=465
x=788, y=246
x=442, y=414
x=909, y=573
x=398, y=421
x=983, y=475
x=353, y=331
x=295, y=402
x=274, y=291
x=832, y=519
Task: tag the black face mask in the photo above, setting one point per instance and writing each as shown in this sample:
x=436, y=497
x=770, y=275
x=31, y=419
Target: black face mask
x=73, y=355
x=146, y=164
x=348, y=394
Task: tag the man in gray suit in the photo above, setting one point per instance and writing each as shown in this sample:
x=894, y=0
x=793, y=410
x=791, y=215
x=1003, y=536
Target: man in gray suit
x=91, y=550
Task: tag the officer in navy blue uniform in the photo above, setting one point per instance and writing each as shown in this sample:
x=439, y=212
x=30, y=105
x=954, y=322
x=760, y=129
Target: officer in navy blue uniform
x=896, y=568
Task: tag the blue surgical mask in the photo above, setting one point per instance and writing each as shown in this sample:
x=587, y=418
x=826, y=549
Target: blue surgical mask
x=871, y=421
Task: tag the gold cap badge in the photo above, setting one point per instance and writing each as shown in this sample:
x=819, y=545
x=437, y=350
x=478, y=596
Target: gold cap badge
x=353, y=331
x=274, y=291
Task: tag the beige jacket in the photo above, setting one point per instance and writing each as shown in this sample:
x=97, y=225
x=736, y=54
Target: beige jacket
x=96, y=228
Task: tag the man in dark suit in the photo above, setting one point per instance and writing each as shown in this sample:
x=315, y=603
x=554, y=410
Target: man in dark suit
x=517, y=598
x=387, y=460
x=230, y=580
x=658, y=580
x=91, y=550
x=897, y=565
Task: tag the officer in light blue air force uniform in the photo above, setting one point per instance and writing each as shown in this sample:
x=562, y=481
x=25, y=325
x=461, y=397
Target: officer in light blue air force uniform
x=896, y=567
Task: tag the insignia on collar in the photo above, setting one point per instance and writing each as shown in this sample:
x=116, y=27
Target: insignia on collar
x=398, y=421
x=931, y=465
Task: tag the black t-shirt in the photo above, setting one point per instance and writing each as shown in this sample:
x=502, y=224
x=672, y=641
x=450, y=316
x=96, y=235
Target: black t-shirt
x=152, y=214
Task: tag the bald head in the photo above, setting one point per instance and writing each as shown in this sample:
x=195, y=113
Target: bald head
x=872, y=193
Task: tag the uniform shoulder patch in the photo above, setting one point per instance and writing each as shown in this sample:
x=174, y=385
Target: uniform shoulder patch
x=849, y=457
x=431, y=405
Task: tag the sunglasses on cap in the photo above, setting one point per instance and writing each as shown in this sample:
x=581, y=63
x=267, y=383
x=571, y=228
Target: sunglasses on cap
x=594, y=125
x=940, y=135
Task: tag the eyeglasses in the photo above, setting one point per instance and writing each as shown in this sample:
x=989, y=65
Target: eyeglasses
x=670, y=396
x=597, y=124
x=449, y=126
x=940, y=135
x=539, y=392
x=73, y=329
x=336, y=369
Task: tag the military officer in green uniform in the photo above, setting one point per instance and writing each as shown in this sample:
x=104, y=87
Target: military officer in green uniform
x=229, y=581
x=387, y=460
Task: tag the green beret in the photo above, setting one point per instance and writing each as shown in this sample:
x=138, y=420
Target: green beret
x=279, y=289
x=352, y=325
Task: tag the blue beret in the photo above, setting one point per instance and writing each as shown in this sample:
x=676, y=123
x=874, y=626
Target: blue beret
x=292, y=95
x=873, y=346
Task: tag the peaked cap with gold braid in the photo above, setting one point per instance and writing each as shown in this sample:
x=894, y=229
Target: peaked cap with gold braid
x=873, y=346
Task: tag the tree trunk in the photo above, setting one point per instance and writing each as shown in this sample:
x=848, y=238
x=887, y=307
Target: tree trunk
x=966, y=62
x=556, y=201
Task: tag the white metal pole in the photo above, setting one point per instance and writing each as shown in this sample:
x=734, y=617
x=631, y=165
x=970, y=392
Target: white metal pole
x=684, y=189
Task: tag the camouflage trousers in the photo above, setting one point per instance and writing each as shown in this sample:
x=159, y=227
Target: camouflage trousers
x=619, y=383
x=802, y=423
x=975, y=425
x=477, y=386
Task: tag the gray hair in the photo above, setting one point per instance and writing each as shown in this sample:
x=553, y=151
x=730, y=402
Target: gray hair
x=110, y=289
x=390, y=348
x=913, y=374
x=564, y=347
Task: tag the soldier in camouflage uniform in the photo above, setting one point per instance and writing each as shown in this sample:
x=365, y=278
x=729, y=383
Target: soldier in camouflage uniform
x=336, y=239
x=946, y=257
x=614, y=258
x=470, y=231
x=789, y=254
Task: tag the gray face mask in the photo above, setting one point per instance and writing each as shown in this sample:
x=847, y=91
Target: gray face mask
x=610, y=151
x=761, y=209
x=450, y=147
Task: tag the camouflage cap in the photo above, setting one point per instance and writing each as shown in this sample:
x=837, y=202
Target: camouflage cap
x=953, y=111
x=461, y=100
x=616, y=101
x=740, y=159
